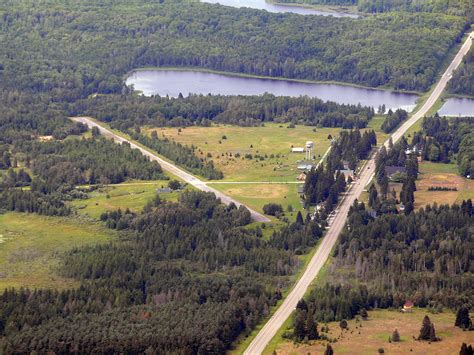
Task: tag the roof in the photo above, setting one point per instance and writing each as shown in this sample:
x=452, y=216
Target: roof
x=305, y=166
x=390, y=170
x=297, y=150
x=408, y=304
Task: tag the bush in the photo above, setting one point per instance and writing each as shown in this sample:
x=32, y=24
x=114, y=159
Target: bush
x=272, y=209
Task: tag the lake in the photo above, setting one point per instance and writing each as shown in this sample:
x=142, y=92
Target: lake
x=263, y=5
x=174, y=82
x=457, y=107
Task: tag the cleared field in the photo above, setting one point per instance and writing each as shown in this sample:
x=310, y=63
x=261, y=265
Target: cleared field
x=257, y=195
x=366, y=337
x=272, y=139
x=133, y=195
x=441, y=175
x=31, y=246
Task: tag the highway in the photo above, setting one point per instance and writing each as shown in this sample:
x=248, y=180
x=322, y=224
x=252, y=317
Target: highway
x=269, y=330
x=173, y=169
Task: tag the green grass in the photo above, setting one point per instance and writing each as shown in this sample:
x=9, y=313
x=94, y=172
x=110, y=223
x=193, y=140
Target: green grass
x=133, y=195
x=270, y=139
x=438, y=168
x=257, y=195
x=31, y=247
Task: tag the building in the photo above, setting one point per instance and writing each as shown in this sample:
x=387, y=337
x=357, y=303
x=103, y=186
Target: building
x=408, y=306
x=297, y=150
x=347, y=173
x=164, y=190
x=305, y=167
x=301, y=177
x=392, y=170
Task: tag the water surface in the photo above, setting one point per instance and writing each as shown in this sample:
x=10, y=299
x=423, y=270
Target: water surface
x=263, y=5
x=174, y=82
x=457, y=107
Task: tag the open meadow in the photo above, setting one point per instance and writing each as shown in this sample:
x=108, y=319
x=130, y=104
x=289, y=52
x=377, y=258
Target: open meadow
x=133, y=195
x=31, y=246
x=441, y=175
x=368, y=336
x=267, y=148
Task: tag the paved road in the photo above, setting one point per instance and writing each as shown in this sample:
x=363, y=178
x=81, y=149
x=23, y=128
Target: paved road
x=173, y=169
x=283, y=312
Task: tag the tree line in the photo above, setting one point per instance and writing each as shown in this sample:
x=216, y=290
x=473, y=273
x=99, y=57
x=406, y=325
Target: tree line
x=445, y=140
x=127, y=111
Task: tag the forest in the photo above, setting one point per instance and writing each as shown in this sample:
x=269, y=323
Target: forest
x=445, y=140
x=187, y=277
x=57, y=167
x=88, y=46
x=382, y=262
x=127, y=111
x=462, y=82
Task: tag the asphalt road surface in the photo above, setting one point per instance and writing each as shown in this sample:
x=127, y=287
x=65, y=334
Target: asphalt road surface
x=317, y=261
x=173, y=169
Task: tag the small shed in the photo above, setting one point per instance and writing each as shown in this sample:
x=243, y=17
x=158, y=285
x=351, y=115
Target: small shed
x=164, y=190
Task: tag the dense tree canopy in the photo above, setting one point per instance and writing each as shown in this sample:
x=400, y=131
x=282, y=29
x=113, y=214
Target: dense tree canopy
x=87, y=46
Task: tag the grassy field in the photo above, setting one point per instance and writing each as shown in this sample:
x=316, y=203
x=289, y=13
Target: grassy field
x=257, y=195
x=443, y=175
x=273, y=138
x=366, y=337
x=31, y=246
x=133, y=195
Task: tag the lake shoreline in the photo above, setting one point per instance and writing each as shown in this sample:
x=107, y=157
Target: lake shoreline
x=326, y=8
x=253, y=76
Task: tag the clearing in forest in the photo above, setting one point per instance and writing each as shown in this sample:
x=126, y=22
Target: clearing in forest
x=368, y=336
x=31, y=247
x=444, y=176
x=253, y=153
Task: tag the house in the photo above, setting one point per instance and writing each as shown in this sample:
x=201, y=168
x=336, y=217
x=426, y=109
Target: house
x=392, y=170
x=347, y=173
x=301, y=177
x=408, y=306
x=297, y=150
x=301, y=189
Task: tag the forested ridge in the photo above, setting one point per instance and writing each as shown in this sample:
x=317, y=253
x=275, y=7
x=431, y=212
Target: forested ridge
x=189, y=278
x=87, y=46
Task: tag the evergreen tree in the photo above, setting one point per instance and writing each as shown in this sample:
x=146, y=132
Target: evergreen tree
x=395, y=336
x=466, y=350
x=462, y=318
x=364, y=314
x=312, y=328
x=299, y=218
x=425, y=329
x=329, y=350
